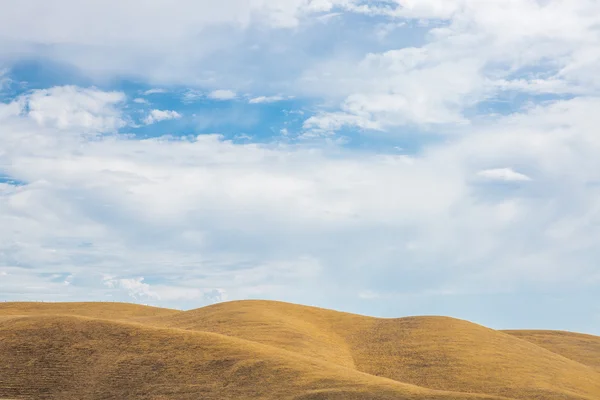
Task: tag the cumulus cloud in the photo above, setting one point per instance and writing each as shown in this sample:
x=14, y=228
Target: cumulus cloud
x=483, y=51
x=468, y=52
x=161, y=115
x=70, y=107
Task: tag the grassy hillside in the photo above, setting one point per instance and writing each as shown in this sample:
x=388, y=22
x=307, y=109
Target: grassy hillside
x=584, y=349
x=272, y=350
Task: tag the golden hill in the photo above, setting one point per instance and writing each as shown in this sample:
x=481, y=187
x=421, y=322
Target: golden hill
x=584, y=349
x=273, y=350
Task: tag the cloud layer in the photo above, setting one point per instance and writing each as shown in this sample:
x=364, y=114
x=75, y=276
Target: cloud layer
x=181, y=219
x=494, y=197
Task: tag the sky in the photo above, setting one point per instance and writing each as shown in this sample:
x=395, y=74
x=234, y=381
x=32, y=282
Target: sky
x=388, y=158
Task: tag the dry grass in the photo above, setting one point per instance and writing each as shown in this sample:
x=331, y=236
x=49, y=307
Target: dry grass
x=584, y=349
x=272, y=350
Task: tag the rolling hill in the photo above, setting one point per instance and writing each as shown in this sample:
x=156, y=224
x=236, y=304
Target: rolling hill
x=274, y=350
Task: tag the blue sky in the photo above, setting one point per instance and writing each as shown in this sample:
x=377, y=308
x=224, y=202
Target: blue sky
x=387, y=158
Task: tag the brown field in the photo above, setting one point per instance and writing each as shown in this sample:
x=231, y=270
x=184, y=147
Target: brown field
x=273, y=350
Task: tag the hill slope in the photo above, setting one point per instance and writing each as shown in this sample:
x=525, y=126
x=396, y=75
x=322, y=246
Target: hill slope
x=434, y=352
x=576, y=346
x=272, y=350
x=70, y=357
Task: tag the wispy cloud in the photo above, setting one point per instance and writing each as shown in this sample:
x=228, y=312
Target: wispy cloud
x=154, y=91
x=4, y=79
x=503, y=174
x=265, y=99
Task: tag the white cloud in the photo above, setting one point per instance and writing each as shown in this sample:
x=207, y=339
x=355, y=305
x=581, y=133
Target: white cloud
x=161, y=115
x=503, y=174
x=70, y=107
x=473, y=51
x=139, y=100
x=501, y=91
x=407, y=86
x=145, y=22
x=202, y=36
x=482, y=51
x=265, y=99
x=192, y=95
x=267, y=220
x=430, y=8
x=222, y=94
x=135, y=287
x=329, y=122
